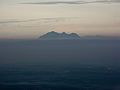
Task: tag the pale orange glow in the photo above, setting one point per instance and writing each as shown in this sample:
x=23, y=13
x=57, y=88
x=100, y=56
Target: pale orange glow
x=88, y=19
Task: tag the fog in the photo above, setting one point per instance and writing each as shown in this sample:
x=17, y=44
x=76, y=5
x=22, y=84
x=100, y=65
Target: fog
x=83, y=51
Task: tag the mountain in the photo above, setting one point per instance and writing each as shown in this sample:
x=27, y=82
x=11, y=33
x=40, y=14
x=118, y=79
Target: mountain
x=55, y=35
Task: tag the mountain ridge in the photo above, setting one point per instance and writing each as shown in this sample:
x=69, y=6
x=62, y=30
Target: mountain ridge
x=55, y=35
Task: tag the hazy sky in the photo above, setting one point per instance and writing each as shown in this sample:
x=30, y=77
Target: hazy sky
x=32, y=18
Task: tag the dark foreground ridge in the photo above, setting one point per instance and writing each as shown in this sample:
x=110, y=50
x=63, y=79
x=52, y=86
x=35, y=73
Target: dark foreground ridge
x=55, y=35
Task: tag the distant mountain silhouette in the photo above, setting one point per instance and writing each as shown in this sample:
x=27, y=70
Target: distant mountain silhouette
x=55, y=35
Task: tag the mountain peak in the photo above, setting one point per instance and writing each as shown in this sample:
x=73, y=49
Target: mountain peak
x=55, y=35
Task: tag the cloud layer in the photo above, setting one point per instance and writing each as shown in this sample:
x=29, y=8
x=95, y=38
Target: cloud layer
x=39, y=19
x=73, y=2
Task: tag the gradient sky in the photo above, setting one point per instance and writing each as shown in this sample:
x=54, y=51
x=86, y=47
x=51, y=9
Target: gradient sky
x=32, y=18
